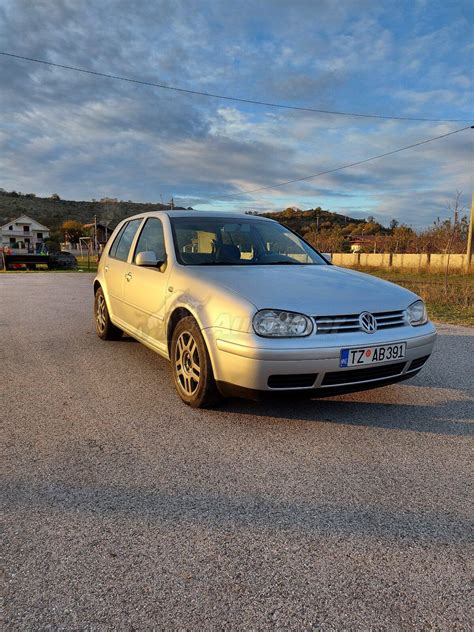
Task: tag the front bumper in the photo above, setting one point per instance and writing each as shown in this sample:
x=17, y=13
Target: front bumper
x=251, y=363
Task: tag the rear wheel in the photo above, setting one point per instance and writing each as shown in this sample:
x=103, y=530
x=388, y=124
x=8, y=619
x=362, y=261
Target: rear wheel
x=103, y=325
x=191, y=365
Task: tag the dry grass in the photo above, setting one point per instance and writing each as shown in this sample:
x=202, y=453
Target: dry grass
x=87, y=265
x=452, y=305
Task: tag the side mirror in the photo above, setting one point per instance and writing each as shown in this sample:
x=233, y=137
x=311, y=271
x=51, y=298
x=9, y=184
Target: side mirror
x=148, y=258
x=328, y=256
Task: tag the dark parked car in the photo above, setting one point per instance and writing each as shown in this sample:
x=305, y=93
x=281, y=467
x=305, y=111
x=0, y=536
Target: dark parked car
x=62, y=260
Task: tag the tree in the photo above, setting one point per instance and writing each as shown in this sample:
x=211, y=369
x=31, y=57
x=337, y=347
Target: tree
x=351, y=229
x=52, y=246
x=56, y=235
x=55, y=197
x=326, y=240
x=446, y=235
x=372, y=228
x=393, y=224
x=401, y=239
x=290, y=212
x=72, y=230
x=455, y=210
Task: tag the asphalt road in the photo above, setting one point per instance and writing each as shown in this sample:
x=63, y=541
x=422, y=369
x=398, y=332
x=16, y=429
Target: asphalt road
x=124, y=509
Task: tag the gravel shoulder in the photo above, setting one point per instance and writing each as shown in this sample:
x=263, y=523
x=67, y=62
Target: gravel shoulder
x=125, y=509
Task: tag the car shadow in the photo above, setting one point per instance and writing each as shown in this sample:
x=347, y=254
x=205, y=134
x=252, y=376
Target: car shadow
x=451, y=417
x=435, y=401
x=126, y=338
x=438, y=400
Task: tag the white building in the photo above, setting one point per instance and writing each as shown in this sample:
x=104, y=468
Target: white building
x=23, y=233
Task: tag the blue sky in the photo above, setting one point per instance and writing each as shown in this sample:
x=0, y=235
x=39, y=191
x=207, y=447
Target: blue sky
x=87, y=137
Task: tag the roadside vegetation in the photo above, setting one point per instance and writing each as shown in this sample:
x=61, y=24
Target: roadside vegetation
x=333, y=232
x=451, y=304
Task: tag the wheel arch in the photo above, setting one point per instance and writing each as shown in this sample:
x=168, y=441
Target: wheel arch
x=179, y=312
x=97, y=285
x=176, y=315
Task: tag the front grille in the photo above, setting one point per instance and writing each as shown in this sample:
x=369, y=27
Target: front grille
x=300, y=380
x=362, y=375
x=418, y=363
x=350, y=322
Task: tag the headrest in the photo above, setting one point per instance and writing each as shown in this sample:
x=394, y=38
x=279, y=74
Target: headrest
x=227, y=253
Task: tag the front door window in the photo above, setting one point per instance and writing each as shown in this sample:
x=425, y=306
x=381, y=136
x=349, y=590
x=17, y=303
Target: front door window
x=151, y=239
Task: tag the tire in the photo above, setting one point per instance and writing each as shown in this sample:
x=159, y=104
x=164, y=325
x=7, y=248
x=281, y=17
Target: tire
x=191, y=365
x=104, y=327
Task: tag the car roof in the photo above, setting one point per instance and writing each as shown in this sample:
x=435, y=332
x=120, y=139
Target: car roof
x=200, y=214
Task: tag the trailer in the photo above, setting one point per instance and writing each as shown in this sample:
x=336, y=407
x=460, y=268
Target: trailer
x=17, y=261
x=60, y=260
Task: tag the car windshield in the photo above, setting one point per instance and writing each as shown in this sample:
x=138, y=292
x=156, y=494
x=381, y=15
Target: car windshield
x=209, y=241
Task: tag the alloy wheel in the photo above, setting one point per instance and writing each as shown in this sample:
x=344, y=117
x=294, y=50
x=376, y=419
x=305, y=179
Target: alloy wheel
x=101, y=313
x=187, y=364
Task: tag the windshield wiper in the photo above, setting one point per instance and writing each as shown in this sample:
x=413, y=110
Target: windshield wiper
x=250, y=263
x=284, y=263
x=217, y=263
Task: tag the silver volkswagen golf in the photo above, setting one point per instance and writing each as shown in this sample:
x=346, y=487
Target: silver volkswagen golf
x=243, y=306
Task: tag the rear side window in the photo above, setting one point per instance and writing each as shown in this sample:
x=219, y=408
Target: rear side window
x=121, y=246
x=152, y=239
x=115, y=243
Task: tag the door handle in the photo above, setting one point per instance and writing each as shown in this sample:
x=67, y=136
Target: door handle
x=128, y=276
x=106, y=269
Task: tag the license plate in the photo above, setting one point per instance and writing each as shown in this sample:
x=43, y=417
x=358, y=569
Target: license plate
x=361, y=356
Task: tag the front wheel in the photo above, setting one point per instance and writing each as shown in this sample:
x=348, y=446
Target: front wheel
x=103, y=325
x=191, y=365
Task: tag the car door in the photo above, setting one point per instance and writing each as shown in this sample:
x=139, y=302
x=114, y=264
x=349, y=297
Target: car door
x=145, y=286
x=116, y=267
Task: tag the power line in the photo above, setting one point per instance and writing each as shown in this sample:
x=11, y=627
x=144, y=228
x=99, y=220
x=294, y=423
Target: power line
x=230, y=98
x=352, y=164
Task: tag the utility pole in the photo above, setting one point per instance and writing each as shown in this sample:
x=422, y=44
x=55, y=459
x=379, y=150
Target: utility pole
x=469, y=236
x=95, y=233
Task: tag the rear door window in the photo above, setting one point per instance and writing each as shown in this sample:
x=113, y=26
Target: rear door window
x=121, y=246
x=115, y=243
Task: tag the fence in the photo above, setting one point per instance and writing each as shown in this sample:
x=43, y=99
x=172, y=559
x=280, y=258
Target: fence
x=433, y=262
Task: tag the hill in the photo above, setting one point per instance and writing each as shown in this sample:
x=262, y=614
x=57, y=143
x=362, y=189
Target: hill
x=314, y=219
x=52, y=212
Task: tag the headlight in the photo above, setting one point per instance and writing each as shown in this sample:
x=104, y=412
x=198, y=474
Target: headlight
x=273, y=323
x=416, y=314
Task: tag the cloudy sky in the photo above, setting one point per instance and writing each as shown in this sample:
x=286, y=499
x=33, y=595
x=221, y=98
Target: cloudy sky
x=89, y=137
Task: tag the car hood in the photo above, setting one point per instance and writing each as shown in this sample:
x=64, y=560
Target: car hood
x=314, y=290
